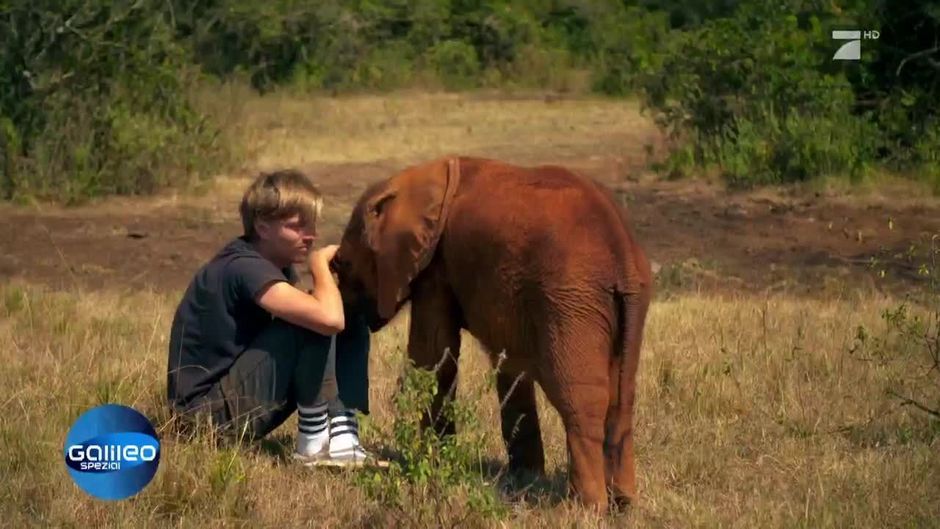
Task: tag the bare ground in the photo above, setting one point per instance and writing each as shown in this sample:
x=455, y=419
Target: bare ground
x=700, y=236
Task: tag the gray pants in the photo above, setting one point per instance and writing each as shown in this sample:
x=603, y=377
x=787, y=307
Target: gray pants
x=287, y=366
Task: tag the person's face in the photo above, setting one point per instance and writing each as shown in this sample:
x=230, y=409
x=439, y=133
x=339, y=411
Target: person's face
x=287, y=240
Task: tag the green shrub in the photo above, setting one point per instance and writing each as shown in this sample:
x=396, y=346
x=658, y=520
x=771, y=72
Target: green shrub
x=94, y=100
x=797, y=147
x=433, y=479
x=386, y=67
x=756, y=94
x=911, y=336
x=455, y=63
x=546, y=69
x=628, y=45
x=898, y=80
x=749, y=93
x=94, y=94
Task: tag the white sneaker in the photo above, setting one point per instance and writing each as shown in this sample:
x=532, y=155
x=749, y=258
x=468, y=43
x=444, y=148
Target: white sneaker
x=354, y=457
x=313, y=433
x=310, y=455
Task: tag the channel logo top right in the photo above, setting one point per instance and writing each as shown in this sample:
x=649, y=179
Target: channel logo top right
x=852, y=50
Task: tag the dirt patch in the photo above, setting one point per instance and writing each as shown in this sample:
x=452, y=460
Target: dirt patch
x=700, y=236
x=805, y=244
x=136, y=244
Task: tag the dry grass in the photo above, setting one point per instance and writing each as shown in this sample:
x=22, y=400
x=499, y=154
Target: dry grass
x=405, y=128
x=752, y=414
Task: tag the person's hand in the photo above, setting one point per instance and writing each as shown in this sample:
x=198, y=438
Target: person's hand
x=320, y=258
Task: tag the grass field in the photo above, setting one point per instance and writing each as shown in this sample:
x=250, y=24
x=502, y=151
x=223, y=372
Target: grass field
x=754, y=410
x=752, y=414
x=287, y=130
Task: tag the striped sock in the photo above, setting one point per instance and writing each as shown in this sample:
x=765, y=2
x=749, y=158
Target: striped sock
x=344, y=432
x=312, y=433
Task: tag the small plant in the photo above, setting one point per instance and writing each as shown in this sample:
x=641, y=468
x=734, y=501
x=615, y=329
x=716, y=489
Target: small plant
x=911, y=336
x=433, y=479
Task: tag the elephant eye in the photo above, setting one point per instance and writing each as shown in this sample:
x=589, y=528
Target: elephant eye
x=345, y=265
x=380, y=205
x=339, y=265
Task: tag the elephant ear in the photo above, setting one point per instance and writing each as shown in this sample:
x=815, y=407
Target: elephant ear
x=404, y=224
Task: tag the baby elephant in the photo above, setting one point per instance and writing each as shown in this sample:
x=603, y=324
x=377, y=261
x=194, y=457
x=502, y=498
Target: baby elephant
x=539, y=263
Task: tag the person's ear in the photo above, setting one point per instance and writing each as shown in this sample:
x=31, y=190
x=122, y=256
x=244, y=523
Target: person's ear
x=263, y=229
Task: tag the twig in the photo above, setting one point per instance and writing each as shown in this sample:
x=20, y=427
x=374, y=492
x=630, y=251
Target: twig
x=922, y=53
x=512, y=388
x=911, y=402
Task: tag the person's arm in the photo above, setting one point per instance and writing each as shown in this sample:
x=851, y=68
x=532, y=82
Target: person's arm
x=321, y=311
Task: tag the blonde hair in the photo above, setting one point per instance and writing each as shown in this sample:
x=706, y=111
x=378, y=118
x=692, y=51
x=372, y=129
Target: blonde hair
x=278, y=195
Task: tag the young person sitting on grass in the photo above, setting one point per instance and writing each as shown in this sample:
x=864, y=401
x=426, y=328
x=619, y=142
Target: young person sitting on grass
x=247, y=347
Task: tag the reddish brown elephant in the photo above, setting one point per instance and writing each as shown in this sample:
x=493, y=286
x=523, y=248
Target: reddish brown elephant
x=539, y=263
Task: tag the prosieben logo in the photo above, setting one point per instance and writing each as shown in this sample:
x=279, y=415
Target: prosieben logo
x=852, y=50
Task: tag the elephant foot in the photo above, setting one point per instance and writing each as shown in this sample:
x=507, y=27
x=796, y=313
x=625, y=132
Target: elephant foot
x=525, y=474
x=521, y=482
x=597, y=502
x=530, y=463
x=619, y=502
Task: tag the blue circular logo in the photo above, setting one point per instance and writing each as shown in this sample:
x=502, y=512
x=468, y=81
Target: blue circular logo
x=112, y=452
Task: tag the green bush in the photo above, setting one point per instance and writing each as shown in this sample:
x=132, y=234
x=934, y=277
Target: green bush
x=94, y=100
x=627, y=46
x=749, y=93
x=911, y=335
x=95, y=94
x=545, y=68
x=797, y=147
x=756, y=95
x=433, y=479
x=387, y=67
x=455, y=63
x=898, y=80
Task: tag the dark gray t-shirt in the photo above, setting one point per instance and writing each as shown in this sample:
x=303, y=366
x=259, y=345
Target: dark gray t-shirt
x=218, y=318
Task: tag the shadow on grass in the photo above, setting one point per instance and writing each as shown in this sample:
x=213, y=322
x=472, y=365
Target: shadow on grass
x=533, y=490
x=529, y=489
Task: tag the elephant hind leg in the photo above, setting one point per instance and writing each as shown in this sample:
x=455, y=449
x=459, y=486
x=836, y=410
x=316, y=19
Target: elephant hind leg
x=585, y=440
x=618, y=443
x=584, y=429
x=578, y=388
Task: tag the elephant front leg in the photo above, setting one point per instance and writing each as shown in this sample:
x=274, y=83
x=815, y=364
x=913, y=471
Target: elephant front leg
x=520, y=423
x=434, y=344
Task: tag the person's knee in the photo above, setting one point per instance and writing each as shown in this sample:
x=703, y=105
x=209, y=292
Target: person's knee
x=296, y=334
x=299, y=347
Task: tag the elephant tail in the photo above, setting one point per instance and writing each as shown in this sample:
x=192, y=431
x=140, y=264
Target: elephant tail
x=632, y=308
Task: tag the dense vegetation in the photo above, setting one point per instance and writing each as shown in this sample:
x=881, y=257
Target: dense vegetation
x=98, y=96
